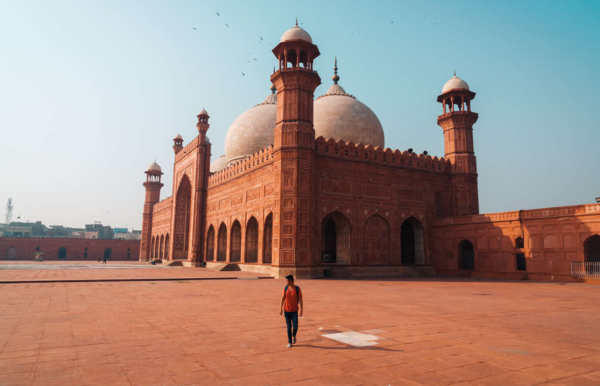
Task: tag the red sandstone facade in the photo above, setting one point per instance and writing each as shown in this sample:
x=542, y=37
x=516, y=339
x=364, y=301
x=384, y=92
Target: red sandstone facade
x=305, y=205
x=25, y=248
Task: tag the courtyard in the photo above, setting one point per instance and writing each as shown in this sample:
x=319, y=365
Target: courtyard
x=181, y=326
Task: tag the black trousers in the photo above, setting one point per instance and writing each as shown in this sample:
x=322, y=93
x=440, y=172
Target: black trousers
x=291, y=318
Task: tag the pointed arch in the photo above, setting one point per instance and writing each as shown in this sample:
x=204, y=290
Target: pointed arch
x=466, y=255
x=251, y=241
x=376, y=240
x=167, y=247
x=182, y=219
x=210, y=244
x=161, y=252
x=11, y=253
x=222, y=243
x=591, y=249
x=519, y=242
x=336, y=238
x=268, y=240
x=412, y=245
x=235, y=252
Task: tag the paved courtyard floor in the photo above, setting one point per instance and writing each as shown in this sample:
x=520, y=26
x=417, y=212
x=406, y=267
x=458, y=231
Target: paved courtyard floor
x=228, y=332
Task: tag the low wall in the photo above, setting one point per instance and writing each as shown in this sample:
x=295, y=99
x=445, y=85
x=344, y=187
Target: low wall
x=24, y=248
x=552, y=239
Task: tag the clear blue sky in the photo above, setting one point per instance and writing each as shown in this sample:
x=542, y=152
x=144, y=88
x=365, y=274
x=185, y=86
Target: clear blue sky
x=91, y=92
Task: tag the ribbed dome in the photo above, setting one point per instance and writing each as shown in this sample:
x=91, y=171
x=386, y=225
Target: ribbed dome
x=296, y=33
x=454, y=84
x=339, y=115
x=219, y=164
x=154, y=167
x=252, y=131
x=178, y=136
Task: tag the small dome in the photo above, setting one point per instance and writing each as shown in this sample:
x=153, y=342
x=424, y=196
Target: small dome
x=203, y=112
x=178, y=136
x=154, y=167
x=455, y=84
x=252, y=131
x=339, y=115
x=219, y=164
x=296, y=33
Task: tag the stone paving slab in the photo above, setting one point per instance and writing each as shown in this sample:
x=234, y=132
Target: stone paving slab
x=47, y=272
x=433, y=332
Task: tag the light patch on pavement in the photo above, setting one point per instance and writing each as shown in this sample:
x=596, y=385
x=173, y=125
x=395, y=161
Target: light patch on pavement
x=353, y=338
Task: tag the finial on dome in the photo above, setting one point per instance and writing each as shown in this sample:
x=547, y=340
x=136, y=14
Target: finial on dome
x=454, y=72
x=335, y=77
x=273, y=89
x=296, y=21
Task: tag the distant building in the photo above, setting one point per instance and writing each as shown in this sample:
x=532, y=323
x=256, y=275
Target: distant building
x=128, y=236
x=120, y=230
x=84, y=235
x=104, y=232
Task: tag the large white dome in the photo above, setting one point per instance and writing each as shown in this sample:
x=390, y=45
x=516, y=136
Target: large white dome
x=455, y=84
x=339, y=115
x=252, y=131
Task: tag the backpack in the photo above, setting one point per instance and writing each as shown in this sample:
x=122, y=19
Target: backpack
x=297, y=292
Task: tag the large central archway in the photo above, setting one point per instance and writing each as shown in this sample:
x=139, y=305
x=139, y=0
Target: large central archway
x=466, y=255
x=376, y=240
x=336, y=239
x=411, y=242
x=182, y=219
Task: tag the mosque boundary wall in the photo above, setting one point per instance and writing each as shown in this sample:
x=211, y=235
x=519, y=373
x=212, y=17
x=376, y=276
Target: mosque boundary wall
x=24, y=248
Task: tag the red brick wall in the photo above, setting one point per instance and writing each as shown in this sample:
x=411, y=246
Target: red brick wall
x=553, y=238
x=26, y=248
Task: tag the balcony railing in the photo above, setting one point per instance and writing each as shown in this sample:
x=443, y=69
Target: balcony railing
x=585, y=270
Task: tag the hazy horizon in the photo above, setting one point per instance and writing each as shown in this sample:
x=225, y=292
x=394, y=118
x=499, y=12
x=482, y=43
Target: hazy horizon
x=93, y=92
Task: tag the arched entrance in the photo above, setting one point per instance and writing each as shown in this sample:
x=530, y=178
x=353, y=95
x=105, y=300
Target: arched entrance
x=107, y=253
x=167, y=246
x=182, y=219
x=268, y=240
x=152, y=248
x=236, y=242
x=411, y=242
x=11, y=253
x=252, y=241
x=591, y=249
x=162, y=247
x=210, y=244
x=376, y=240
x=336, y=239
x=466, y=255
x=62, y=253
x=222, y=244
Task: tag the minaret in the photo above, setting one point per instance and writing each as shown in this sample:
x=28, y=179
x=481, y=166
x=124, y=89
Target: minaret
x=201, y=189
x=177, y=143
x=294, y=219
x=153, y=186
x=457, y=121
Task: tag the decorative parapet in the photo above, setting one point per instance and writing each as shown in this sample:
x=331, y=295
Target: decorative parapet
x=166, y=203
x=562, y=211
x=187, y=149
x=258, y=159
x=362, y=153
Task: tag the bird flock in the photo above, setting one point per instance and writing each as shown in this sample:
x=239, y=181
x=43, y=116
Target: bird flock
x=262, y=40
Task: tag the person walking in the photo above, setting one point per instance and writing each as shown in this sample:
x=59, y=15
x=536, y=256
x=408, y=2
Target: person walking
x=293, y=306
x=104, y=260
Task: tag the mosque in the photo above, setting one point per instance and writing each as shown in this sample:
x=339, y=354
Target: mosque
x=307, y=187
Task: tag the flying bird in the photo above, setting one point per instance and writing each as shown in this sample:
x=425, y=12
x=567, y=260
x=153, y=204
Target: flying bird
x=248, y=61
x=255, y=60
x=261, y=38
x=227, y=25
x=218, y=14
x=243, y=74
x=392, y=23
x=194, y=28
